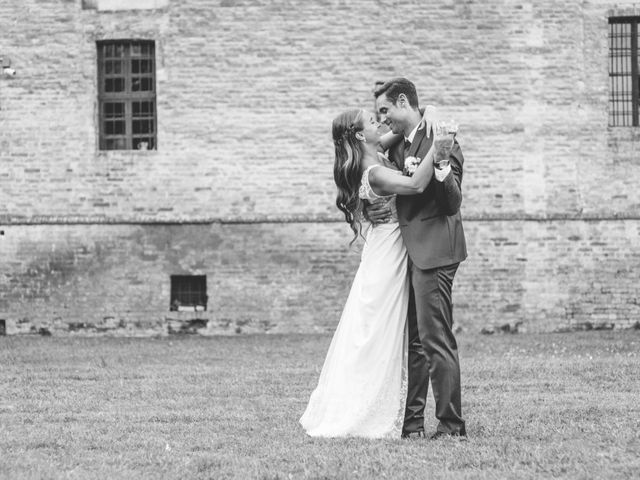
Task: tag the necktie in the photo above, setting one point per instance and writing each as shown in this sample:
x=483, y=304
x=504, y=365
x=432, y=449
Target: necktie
x=407, y=145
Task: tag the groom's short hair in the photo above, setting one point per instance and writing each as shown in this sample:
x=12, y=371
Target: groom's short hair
x=394, y=87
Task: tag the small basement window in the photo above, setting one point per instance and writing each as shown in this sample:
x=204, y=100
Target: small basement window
x=188, y=293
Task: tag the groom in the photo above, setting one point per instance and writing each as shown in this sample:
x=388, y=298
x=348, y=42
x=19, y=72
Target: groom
x=432, y=232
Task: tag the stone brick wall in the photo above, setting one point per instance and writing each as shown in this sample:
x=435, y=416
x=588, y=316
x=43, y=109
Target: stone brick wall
x=241, y=187
x=283, y=277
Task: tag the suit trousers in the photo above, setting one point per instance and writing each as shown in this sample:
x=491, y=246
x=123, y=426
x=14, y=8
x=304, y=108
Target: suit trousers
x=433, y=351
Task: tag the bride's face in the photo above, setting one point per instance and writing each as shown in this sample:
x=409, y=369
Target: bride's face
x=371, y=127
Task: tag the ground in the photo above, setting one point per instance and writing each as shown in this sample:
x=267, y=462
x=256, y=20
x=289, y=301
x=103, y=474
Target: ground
x=537, y=406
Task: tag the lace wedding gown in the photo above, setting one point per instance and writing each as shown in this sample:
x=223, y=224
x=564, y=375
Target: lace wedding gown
x=363, y=384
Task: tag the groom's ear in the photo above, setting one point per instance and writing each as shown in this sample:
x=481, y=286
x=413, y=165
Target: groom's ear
x=402, y=101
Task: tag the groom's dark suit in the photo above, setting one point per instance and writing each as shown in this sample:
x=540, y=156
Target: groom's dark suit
x=432, y=232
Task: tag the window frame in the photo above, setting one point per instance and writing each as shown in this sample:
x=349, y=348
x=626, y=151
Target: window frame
x=132, y=141
x=183, y=295
x=617, y=118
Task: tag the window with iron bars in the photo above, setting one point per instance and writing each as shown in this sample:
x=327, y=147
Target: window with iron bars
x=624, y=79
x=127, y=95
x=188, y=293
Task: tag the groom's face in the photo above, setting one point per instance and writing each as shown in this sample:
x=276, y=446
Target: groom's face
x=390, y=114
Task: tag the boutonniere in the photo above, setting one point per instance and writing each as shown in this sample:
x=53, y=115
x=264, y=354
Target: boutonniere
x=410, y=165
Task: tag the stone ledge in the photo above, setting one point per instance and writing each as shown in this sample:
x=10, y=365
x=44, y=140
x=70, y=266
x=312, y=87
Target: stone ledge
x=117, y=5
x=148, y=220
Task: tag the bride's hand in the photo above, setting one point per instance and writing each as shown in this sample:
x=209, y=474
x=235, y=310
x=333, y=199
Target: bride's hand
x=429, y=118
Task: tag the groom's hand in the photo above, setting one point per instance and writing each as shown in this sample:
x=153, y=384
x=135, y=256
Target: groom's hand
x=377, y=211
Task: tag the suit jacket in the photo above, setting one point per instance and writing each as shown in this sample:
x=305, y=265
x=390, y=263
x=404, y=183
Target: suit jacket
x=430, y=222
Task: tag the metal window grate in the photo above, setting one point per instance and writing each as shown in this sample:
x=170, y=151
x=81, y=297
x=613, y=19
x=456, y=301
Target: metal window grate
x=624, y=80
x=188, y=292
x=127, y=95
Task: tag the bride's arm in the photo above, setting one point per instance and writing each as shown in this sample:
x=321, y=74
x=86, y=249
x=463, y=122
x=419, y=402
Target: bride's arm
x=385, y=181
x=429, y=118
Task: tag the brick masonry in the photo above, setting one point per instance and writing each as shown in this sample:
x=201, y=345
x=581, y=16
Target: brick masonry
x=282, y=277
x=241, y=188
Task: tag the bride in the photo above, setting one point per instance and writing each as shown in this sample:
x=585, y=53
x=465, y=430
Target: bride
x=362, y=387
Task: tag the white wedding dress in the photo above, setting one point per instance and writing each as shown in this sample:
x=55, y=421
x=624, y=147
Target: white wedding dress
x=363, y=384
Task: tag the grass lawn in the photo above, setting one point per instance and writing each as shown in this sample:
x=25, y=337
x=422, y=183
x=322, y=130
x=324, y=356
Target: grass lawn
x=537, y=406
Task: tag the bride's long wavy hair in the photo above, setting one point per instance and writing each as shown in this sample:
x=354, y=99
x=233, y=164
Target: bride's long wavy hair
x=347, y=168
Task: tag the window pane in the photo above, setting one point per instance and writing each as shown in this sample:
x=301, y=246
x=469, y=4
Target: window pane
x=141, y=84
x=142, y=109
x=113, y=109
x=143, y=143
x=141, y=50
x=114, y=84
x=142, y=126
x=113, y=66
x=114, y=127
x=115, y=144
x=114, y=51
x=140, y=66
x=621, y=84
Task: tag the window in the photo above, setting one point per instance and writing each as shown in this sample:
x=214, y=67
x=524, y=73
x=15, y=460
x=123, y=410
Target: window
x=624, y=80
x=127, y=95
x=188, y=293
